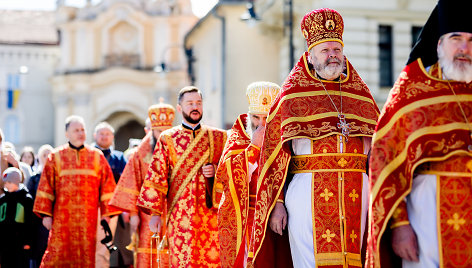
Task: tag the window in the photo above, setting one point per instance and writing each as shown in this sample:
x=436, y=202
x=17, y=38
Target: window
x=385, y=55
x=415, y=34
x=12, y=128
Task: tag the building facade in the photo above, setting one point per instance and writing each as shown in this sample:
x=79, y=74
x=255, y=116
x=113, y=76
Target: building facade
x=111, y=61
x=118, y=58
x=261, y=45
x=105, y=62
x=29, y=52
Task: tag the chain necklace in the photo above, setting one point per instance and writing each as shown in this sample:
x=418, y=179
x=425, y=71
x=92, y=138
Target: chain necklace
x=462, y=111
x=345, y=127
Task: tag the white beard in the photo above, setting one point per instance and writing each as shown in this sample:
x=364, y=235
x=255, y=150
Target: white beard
x=330, y=72
x=249, y=129
x=457, y=71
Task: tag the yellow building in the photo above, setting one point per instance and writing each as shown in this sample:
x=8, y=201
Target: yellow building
x=118, y=58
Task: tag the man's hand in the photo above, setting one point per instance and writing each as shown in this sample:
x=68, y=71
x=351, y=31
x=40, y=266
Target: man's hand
x=258, y=136
x=10, y=158
x=47, y=222
x=208, y=171
x=134, y=223
x=404, y=243
x=278, y=218
x=155, y=224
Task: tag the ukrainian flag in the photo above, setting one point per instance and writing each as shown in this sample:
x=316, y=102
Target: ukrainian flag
x=13, y=91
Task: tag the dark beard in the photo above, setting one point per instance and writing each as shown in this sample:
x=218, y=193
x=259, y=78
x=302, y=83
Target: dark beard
x=190, y=119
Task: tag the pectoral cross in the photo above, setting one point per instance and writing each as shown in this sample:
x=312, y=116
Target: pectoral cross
x=343, y=126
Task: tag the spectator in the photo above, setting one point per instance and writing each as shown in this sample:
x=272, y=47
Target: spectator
x=27, y=157
x=39, y=232
x=16, y=206
x=11, y=159
x=104, y=136
x=76, y=182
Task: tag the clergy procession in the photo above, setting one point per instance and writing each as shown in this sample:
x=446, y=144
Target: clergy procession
x=313, y=174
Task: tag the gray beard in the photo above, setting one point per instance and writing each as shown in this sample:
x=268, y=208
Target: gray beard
x=329, y=72
x=453, y=70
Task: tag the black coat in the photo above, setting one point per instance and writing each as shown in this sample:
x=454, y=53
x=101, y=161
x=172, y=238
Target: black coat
x=16, y=211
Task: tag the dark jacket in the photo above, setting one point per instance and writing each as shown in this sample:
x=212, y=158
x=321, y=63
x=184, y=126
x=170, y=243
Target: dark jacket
x=16, y=211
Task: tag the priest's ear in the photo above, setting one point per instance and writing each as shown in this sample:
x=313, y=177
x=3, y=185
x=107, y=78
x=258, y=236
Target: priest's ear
x=179, y=108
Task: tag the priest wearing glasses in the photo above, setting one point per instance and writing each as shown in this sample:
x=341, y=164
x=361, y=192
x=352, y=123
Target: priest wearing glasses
x=314, y=155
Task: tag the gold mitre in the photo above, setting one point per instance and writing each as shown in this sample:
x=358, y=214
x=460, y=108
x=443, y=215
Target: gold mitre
x=161, y=115
x=260, y=96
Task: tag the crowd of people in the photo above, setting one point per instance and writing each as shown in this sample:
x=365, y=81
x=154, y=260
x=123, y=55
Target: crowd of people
x=313, y=175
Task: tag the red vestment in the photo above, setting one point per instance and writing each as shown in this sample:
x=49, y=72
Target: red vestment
x=175, y=178
x=126, y=194
x=236, y=211
x=73, y=186
x=304, y=110
x=422, y=130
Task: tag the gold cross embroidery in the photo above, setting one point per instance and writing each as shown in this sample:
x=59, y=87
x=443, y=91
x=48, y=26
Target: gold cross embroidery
x=328, y=235
x=353, y=236
x=353, y=195
x=342, y=162
x=327, y=194
x=456, y=221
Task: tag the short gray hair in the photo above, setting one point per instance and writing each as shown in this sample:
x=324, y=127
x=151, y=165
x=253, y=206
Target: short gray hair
x=103, y=125
x=43, y=148
x=74, y=118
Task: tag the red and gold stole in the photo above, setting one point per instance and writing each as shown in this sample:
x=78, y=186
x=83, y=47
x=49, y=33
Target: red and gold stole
x=420, y=123
x=125, y=196
x=304, y=110
x=200, y=151
x=177, y=159
x=234, y=209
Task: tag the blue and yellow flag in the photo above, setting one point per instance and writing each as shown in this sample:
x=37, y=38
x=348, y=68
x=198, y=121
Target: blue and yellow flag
x=13, y=90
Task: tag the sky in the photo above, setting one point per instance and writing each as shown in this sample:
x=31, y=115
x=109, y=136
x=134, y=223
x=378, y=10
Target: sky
x=200, y=7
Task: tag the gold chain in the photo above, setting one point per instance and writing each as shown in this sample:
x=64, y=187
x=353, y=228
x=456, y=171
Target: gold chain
x=340, y=97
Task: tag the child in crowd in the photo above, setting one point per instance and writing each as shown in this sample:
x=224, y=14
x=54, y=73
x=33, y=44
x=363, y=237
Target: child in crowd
x=16, y=206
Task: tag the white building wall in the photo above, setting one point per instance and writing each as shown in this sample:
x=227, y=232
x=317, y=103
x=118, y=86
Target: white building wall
x=34, y=109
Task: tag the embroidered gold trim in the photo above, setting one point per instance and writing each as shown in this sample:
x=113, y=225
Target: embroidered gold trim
x=105, y=197
x=354, y=259
x=326, y=170
x=45, y=195
x=43, y=212
x=151, y=184
x=185, y=182
x=402, y=197
x=415, y=105
x=398, y=224
x=78, y=172
x=237, y=208
x=438, y=222
x=146, y=250
x=185, y=154
x=445, y=173
x=402, y=156
x=127, y=190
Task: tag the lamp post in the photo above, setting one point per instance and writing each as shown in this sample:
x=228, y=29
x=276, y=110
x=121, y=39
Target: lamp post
x=251, y=17
x=288, y=22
